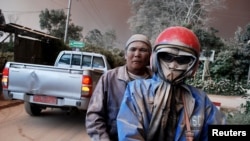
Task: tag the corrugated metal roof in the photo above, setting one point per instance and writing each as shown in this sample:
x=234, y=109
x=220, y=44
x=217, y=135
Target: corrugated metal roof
x=25, y=31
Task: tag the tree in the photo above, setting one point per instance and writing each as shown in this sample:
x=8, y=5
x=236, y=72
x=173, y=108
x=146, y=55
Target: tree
x=96, y=38
x=208, y=40
x=150, y=17
x=54, y=21
x=109, y=38
x=242, y=56
x=115, y=59
x=233, y=60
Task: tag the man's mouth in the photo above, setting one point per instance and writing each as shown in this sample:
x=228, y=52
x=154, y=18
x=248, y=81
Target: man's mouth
x=136, y=61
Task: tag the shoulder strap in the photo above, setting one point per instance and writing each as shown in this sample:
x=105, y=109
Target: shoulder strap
x=189, y=134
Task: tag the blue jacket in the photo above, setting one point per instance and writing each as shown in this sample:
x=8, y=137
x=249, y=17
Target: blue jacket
x=134, y=120
x=104, y=104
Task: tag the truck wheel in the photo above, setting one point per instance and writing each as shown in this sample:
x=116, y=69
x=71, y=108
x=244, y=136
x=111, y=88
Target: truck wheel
x=32, y=109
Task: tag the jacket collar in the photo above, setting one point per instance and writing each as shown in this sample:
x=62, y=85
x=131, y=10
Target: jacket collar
x=122, y=73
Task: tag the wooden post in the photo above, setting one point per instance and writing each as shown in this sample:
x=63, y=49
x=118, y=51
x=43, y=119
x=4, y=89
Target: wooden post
x=205, y=73
x=248, y=78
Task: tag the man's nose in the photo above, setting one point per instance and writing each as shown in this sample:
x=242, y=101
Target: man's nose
x=137, y=52
x=173, y=64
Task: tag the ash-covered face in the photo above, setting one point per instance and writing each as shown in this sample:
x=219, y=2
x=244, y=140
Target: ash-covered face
x=175, y=63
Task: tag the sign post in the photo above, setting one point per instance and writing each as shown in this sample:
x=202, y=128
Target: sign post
x=76, y=44
x=206, y=58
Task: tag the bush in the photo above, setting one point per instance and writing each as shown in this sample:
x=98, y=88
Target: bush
x=220, y=87
x=114, y=59
x=240, y=117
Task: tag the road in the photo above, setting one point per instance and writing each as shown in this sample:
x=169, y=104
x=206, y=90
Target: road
x=56, y=125
x=228, y=102
x=52, y=125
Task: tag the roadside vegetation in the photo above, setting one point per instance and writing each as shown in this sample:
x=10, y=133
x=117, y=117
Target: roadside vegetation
x=227, y=73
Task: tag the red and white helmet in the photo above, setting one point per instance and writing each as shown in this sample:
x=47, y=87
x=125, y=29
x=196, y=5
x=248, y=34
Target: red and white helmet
x=180, y=38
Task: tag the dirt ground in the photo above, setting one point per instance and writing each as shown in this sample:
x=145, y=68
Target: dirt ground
x=228, y=102
x=8, y=103
x=225, y=102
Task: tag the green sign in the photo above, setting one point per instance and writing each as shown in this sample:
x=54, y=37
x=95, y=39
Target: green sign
x=76, y=44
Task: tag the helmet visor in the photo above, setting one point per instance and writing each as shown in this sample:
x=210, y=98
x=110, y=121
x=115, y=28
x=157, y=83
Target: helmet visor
x=168, y=57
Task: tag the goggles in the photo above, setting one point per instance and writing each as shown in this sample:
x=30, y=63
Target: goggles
x=181, y=60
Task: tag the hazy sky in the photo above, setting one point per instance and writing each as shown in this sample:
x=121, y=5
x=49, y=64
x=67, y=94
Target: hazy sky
x=90, y=14
x=113, y=14
x=236, y=14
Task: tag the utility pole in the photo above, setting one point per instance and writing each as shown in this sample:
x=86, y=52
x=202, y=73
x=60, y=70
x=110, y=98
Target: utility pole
x=67, y=22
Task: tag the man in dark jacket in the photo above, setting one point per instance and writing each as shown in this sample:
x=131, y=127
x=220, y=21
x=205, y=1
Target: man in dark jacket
x=165, y=108
x=2, y=19
x=105, y=101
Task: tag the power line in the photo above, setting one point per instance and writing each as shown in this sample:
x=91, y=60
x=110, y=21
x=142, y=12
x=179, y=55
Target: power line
x=92, y=15
x=22, y=12
x=97, y=11
x=28, y=12
x=57, y=3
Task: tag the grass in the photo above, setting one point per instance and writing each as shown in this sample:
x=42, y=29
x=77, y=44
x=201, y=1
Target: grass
x=236, y=117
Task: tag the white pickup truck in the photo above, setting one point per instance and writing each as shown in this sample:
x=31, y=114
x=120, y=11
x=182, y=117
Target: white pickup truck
x=68, y=84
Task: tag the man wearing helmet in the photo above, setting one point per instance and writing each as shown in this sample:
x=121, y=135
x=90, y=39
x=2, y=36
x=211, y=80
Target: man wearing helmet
x=164, y=107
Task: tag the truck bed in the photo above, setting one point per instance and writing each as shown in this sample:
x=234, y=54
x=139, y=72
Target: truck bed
x=45, y=80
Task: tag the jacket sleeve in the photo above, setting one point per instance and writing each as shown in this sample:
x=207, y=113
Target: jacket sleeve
x=95, y=117
x=213, y=116
x=129, y=124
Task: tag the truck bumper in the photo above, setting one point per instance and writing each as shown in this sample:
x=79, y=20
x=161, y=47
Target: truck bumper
x=81, y=104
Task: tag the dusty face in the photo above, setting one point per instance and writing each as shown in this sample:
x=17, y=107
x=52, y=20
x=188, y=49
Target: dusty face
x=175, y=63
x=137, y=56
